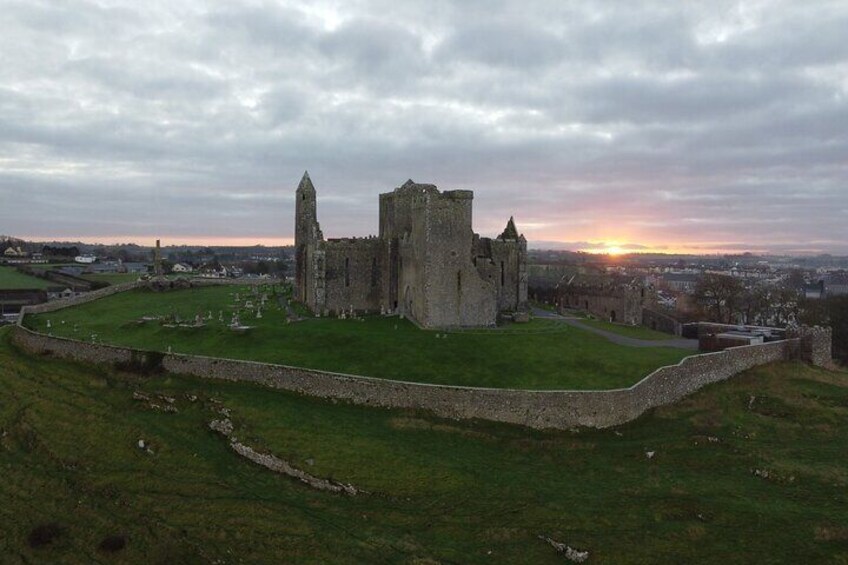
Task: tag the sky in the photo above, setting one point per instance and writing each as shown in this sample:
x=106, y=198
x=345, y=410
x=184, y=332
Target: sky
x=640, y=126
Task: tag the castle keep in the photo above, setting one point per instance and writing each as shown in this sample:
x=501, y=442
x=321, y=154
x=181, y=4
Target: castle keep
x=426, y=263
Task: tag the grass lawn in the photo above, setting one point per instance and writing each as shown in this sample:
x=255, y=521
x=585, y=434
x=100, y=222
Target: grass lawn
x=637, y=332
x=112, y=278
x=10, y=278
x=438, y=491
x=538, y=355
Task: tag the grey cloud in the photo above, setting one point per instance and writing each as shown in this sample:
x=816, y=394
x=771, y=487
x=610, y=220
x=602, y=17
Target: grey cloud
x=649, y=122
x=507, y=44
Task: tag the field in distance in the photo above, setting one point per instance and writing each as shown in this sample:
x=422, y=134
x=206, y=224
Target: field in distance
x=543, y=354
x=746, y=471
x=11, y=278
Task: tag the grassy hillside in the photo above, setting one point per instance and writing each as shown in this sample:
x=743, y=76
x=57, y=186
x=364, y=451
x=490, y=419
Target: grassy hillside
x=751, y=470
x=539, y=355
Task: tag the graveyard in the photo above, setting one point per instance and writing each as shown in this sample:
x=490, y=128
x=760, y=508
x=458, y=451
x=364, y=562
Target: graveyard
x=263, y=324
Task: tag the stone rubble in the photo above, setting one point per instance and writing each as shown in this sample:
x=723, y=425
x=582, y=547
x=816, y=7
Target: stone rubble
x=225, y=428
x=573, y=555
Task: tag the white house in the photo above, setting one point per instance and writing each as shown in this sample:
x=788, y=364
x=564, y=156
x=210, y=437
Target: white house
x=182, y=268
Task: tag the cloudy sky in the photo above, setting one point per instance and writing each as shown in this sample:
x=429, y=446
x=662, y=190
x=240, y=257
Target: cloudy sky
x=642, y=125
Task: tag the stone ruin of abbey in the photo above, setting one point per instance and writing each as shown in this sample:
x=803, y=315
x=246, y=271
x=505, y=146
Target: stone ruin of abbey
x=426, y=263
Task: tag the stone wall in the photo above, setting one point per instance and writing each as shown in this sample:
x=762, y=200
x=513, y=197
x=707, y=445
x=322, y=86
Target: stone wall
x=535, y=409
x=816, y=344
x=451, y=289
x=622, y=309
x=353, y=275
x=661, y=322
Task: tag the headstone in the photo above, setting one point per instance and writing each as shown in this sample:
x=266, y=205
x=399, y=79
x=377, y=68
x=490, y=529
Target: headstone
x=49, y=324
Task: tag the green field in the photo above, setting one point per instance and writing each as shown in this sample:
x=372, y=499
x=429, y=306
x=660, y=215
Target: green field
x=438, y=491
x=637, y=332
x=112, y=278
x=539, y=355
x=11, y=278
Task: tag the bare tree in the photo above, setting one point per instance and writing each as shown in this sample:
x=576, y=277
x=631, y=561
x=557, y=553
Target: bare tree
x=719, y=297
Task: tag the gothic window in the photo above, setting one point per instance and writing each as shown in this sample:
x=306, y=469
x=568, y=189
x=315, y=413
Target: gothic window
x=503, y=276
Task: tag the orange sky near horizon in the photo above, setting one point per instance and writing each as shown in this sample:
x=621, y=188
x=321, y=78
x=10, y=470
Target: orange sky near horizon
x=608, y=247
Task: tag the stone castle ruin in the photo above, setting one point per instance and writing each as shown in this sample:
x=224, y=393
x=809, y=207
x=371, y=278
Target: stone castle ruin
x=426, y=263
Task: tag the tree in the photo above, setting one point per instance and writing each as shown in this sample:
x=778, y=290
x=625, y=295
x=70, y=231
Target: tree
x=719, y=297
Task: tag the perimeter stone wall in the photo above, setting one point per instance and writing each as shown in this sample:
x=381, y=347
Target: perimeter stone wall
x=535, y=409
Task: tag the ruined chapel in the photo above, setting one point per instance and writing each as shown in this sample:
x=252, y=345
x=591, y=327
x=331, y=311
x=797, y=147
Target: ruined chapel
x=426, y=263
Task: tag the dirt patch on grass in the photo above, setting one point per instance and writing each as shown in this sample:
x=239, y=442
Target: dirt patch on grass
x=112, y=544
x=831, y=533
x=44, y=534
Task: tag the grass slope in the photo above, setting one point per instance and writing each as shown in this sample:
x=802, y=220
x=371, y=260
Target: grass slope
x=539, y=355
x=11, y=278
x=637, y=332
x=441, y=491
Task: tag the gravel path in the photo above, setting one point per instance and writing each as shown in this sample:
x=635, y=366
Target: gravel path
x=677, y=343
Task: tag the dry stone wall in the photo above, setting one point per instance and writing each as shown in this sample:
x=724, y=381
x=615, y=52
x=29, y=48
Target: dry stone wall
x=535, y=409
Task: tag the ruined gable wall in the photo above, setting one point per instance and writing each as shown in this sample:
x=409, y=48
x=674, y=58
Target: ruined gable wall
x=509, y=260
x=626, y=304
x=353, y=275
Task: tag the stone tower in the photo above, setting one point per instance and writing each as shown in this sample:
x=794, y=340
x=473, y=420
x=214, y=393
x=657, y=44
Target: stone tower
x=307, y=236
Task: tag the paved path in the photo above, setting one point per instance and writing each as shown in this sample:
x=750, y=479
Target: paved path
x=677, y=343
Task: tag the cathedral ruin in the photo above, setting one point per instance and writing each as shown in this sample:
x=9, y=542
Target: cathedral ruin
x=426, y=263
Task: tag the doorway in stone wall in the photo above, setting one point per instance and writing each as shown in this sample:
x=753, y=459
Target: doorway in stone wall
x=612, y=315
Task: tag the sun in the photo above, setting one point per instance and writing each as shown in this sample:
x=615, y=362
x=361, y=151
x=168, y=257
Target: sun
x=614, y=250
